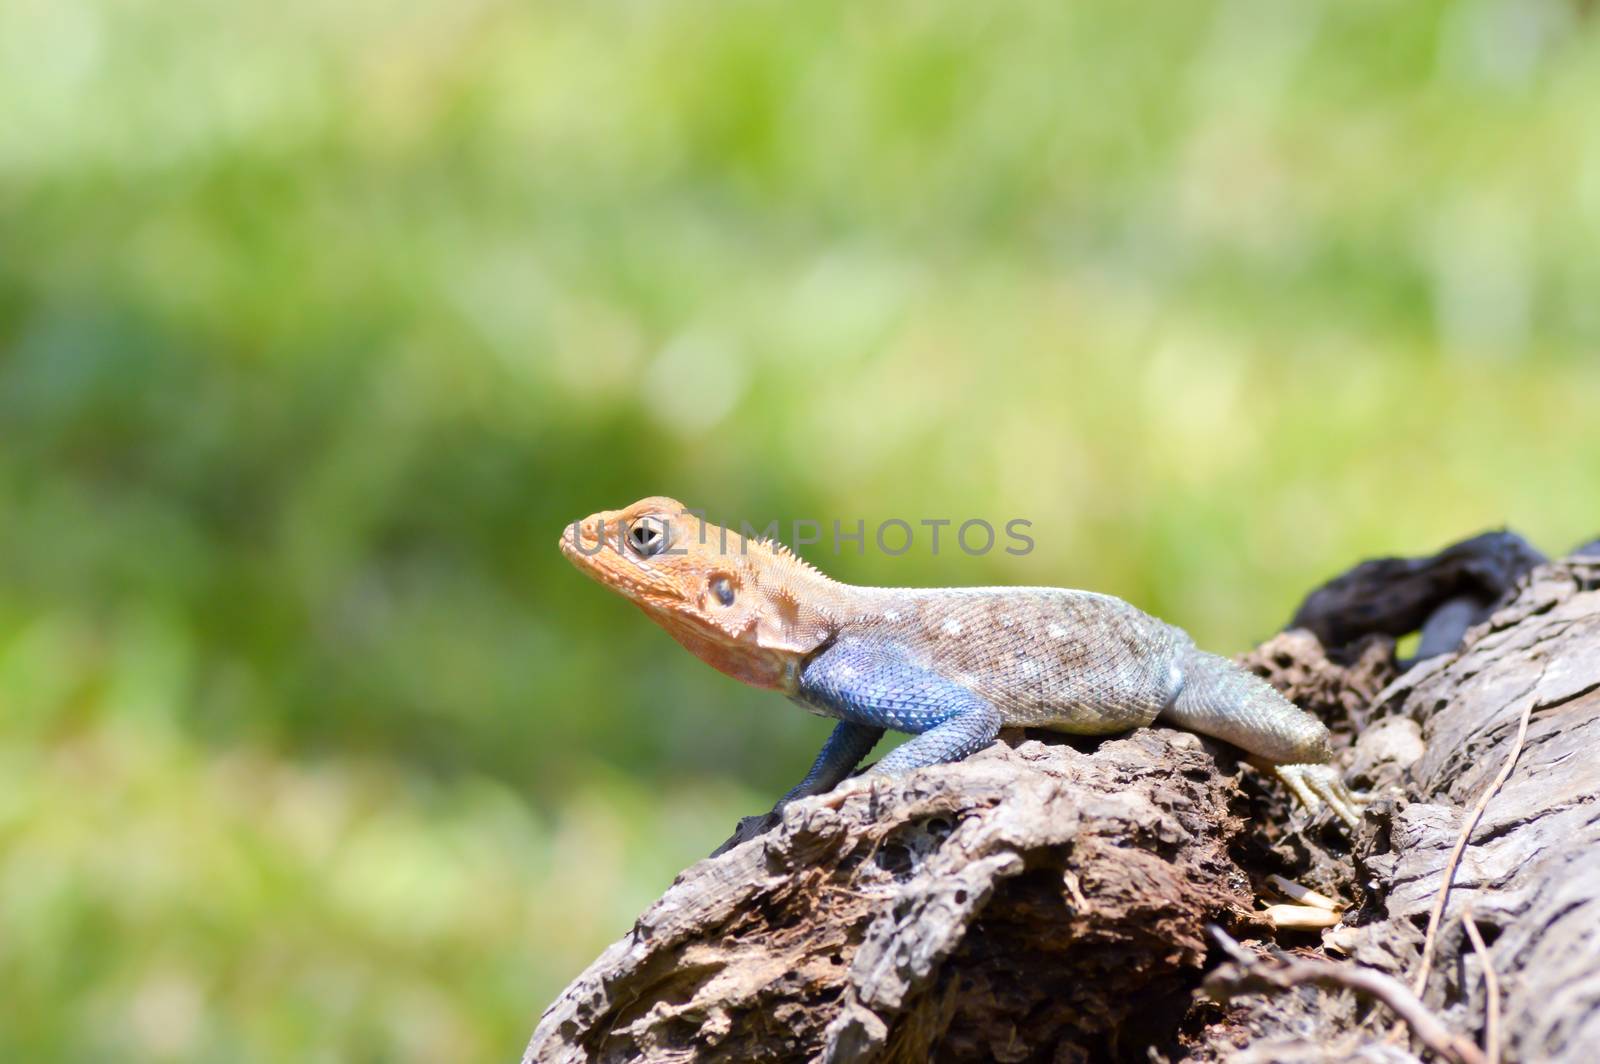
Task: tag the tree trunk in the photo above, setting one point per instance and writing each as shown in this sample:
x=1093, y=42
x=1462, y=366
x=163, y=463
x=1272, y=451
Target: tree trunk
x=1050, y=898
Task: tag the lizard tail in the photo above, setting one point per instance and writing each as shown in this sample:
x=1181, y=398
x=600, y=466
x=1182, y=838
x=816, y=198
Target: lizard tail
x=1220, y=699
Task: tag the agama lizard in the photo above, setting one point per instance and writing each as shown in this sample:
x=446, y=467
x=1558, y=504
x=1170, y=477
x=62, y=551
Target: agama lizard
x=952, y=666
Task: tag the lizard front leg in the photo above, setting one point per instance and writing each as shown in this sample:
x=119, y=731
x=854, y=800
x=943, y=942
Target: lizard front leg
x=849, y=743
x=872, y=682
x=843, y=751
x=870, y=686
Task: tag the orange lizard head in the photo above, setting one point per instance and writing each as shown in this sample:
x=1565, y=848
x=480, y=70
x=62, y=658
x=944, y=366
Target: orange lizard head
x=748, y=607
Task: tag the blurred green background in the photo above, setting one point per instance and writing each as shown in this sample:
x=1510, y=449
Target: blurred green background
x=318, y=321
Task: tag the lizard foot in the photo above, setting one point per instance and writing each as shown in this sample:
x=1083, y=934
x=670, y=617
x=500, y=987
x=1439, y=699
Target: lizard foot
x=750, y=827
x=1314, y=784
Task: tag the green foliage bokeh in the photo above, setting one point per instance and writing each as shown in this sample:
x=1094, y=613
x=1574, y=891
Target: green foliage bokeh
x=318, y=321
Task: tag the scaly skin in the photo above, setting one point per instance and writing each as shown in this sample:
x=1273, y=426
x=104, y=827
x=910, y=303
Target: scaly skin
x=950, y=665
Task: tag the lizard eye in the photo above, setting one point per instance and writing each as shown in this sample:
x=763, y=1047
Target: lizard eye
x=647, y=536
x=722, y=587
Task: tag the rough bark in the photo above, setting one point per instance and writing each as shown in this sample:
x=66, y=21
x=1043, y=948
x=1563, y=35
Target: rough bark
x=1049, y=898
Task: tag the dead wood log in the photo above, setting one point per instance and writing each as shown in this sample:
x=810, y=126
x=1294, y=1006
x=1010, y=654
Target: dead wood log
x=1048, y=899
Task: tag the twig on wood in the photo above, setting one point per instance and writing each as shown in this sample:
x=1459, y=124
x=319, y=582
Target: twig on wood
x=1431, y=939
x=1313, y=910
x=1304, y=895
x=1300, y=917
x=1247, y=974
x=1491, y=989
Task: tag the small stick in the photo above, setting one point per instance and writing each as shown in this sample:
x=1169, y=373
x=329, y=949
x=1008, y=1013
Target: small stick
x=1301, y=917
x=1248, y=974
x=1431, y=939
x=1305, y=895
x=1491, y=989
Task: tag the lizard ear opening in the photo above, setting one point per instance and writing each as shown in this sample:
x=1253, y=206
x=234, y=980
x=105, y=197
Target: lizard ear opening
x=721, y=587
x=783, y=627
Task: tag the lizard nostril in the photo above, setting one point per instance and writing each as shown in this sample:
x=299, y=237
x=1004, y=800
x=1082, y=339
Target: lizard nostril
x=580, y=538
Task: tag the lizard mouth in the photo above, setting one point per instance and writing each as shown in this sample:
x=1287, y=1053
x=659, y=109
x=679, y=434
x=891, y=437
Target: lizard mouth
x=587, y=544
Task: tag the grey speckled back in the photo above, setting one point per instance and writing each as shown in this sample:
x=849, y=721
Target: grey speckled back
x=1044, y=657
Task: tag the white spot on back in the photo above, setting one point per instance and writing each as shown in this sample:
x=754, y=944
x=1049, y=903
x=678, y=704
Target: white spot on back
x=891, y=615
x=951, y=627
x=1055, y=631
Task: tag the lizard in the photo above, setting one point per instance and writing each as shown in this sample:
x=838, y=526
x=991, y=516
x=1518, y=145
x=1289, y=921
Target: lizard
x=950, y=666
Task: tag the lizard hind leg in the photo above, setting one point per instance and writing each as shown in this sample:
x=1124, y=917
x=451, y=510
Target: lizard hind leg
x=1220, y=699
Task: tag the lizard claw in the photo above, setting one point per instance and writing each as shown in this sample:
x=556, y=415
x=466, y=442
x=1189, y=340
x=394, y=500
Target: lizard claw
x=750, y=827
x=1314, y=784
